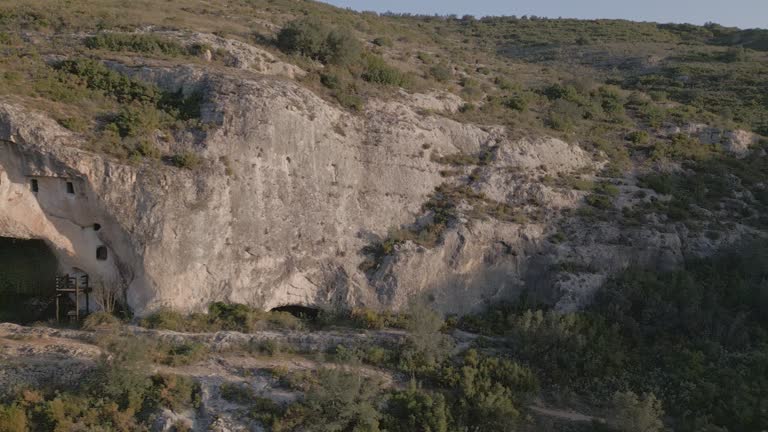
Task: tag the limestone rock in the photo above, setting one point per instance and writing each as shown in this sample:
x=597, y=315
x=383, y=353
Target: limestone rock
x=293, y=188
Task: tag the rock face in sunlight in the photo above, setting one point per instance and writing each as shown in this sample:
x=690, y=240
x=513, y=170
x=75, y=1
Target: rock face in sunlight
x=296, y=199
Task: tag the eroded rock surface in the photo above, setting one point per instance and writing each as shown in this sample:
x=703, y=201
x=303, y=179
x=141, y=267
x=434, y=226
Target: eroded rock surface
x=293, y=188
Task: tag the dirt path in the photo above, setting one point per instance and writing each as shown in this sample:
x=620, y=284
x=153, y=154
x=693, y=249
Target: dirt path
x=564, y=415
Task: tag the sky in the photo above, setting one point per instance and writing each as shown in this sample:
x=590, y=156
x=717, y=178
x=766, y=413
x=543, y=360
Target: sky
x=736, y=13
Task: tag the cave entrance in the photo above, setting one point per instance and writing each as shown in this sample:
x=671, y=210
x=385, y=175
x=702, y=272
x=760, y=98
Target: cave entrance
x=298, y=311
x=27, y=280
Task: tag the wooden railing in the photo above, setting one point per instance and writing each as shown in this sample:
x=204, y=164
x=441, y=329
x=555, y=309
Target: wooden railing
x=66, y=285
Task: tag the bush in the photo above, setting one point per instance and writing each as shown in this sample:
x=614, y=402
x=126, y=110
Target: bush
x=517, y=102
x=383, y=41
x=100, y=320
x=441, y=72
x=75, y=124
x=98, y=77
x=374, y=320
x=239, y=393
x=416, y=410
x=600, y=201
x=377, y=71
x=426, y=345
x=138, y=120
x=312, y=38
x=174, y=392
x=185, y=354
x=659, y=183
x=639, y=137
x=342, y=47
x=637, y=414
x=166, y=319
x=335, y=400
x=304, y=36
x=187, y=159
x=136, y=42
x=564, y=115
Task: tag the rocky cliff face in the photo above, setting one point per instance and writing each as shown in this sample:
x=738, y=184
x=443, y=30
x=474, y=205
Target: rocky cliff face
x=292, y=191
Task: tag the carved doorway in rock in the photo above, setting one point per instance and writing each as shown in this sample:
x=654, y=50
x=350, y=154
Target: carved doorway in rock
x=27, y=280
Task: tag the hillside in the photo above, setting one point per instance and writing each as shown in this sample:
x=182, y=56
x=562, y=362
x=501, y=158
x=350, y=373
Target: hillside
x=556, y=214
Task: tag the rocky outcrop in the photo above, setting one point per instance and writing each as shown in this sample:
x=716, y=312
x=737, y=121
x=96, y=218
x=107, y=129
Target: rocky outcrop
x=737, y=142
x=239, y=54
x=293, y=189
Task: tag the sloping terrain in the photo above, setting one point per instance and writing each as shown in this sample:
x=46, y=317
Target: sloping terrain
x=264, y=167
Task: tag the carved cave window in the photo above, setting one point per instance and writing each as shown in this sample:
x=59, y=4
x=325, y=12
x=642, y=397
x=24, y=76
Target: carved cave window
x=101, y=253
x=35, y=186
x=70, y=188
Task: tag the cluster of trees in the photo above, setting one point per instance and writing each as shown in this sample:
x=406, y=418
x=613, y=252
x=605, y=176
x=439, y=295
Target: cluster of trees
x=696, y=339
x=312, y=38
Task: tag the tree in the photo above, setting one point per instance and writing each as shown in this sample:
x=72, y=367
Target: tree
x=337, y=401
x=305, y=36
x=416, y=410
x=312, y=38
x=637, y=414
x=426, y=346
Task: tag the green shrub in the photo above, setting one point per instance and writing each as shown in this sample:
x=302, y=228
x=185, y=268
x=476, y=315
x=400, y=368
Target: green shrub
x=564, y=115
x=305, y=36
x=342, y=47
x=637, y=414
x=100, y=320
x=239, y=393
x=517, y=101
x=185, y=354
x=600, y=201
x=441, y=72
x=683, y=147
x=137, y=120
x=639, y=137
x=166, y=319
x=180, y=106
x=659, y=183
x=426, y=345
x=147, y=149
x=377, y=71
x=75, y=124
x=416, y=410
x=611, y=101
x=335, y=400
x=608, y=189
x=658, y=95
x=312, y=38
x=97, y=76
x=146, y=43
x=187, y=159
x=174, y=392
x=383, y=41
x=374, y=320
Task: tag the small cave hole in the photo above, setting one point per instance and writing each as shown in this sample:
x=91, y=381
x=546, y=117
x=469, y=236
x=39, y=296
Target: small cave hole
x=298, y=311
x=96, y=227
x=101, y=253
x=70, y=188
x=35, y=186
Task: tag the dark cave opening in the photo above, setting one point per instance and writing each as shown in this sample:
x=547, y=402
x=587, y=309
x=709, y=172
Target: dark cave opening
x=298, y=311
x=27, y=280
